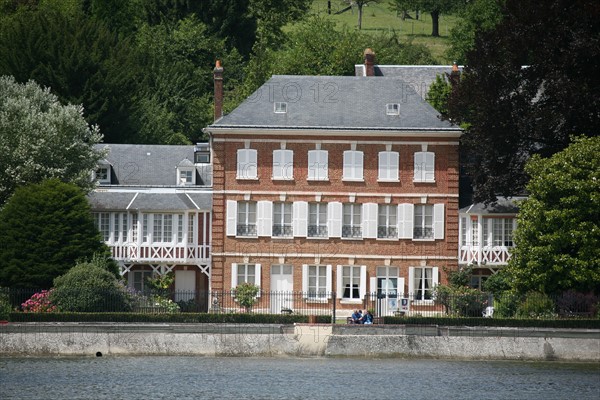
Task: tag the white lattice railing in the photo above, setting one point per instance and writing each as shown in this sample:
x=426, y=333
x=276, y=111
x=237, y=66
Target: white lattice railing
x=160, y=252
x=479, y=255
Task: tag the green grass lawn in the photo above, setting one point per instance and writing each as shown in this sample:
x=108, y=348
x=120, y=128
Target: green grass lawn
x=379, y=17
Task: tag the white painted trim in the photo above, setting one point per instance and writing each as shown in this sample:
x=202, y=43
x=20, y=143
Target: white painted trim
x=333, y=141
x=343, y=257
x=324, y=131
x=344, y=194
x=132, y=200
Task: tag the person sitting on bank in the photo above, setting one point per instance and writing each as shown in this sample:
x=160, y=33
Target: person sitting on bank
x=367, y=318
x=356, y=316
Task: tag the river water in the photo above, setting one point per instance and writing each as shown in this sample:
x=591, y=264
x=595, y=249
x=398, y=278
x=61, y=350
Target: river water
x=171, y=377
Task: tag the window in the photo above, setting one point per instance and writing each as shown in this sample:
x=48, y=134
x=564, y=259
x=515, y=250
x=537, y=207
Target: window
x=246, y=164
x=179, y=228
x=392, y=109
x=134, y=228
x=317, y=165
x=202, y=153
x=245, y=273
x=350, y=281
x=280, y=107
x=139, y=281
x=352, y=221
x=423, y=225
x=463, y=231
x=186, y=177
x=424, y=166
x=145, y=227
x=246, y=218
x=477, y=280
x=162, y=228
x=387, y=224
x=475, y=231
x=102, y=222
x=317, y=220
x=422, y=282
x=282, y=220
x=317, y=282
x=388, y=282
x=388, y=166
x=119, y=227
x=353, y=165
x=191, y=219
x=498, y=232
x=283, y=164
x=103, y=174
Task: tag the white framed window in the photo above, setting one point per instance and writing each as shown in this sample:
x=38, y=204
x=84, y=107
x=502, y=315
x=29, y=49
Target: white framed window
x=202, y=153
x=351, y=282
x=162, y=228
x=283, y=165
x=318, y=165
x=280, y=107
x=245, y=273
x=424, y=169
x=353, y=165
x=352, y=221
x=134, y=227
x=102, y=222
x=247, y=164
x=422, y=281
x=145, y=227
x=463, y=231
x=103, y=174
x=388, y=282
x=282, y=220
x=423, y=225
x=392, y=109
x=191, y=228
x=316, y=281
x=139, y=281
x=120, y=228
x=389, y=166
x=317, y=220
x=179, y=224
x=246, y=219
x=185, y=176
x=387, y=221
x=498, y=232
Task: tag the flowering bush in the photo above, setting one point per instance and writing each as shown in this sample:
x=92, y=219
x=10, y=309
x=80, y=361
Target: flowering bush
x=39, y=302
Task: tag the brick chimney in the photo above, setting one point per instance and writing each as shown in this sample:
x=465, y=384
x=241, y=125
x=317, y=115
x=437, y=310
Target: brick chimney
x=454, y=76
x=369, y=62
x=218, y=80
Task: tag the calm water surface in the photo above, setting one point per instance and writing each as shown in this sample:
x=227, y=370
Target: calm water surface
x=292, y=378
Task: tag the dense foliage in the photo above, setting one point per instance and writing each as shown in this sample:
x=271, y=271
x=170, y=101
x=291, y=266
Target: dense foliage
x=40, y=139
x=44, y=229
x=558, y=232
x=531, y=82
x=433, y=7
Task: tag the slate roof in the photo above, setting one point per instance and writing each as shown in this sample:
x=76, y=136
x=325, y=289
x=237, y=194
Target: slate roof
x=503, y=205
x=335, y=103
x=152, y=165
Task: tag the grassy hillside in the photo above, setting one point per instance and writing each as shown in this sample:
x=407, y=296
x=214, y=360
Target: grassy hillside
x=379, y=17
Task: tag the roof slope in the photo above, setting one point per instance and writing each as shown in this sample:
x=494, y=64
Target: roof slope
x=335, y=102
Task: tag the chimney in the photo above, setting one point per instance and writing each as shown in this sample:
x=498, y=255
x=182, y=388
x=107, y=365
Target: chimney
x=369, y=62
x=218, y=80
x=454, y=76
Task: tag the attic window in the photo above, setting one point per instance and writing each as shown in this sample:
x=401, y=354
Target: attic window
x=186, y=177
x=392, y=109
x=202, y=153
x=280, y=107
x=103, y=174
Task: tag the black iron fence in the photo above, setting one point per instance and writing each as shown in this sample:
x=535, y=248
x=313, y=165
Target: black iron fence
x=430, y=304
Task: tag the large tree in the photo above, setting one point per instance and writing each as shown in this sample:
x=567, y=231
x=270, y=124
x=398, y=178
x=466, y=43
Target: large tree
x=41, y=138
x=558, y=232
x=434, y=7
x=45, y=229
x=530, y=83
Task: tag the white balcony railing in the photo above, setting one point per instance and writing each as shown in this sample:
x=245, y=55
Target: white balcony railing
x=160, y=252
x=497, y=255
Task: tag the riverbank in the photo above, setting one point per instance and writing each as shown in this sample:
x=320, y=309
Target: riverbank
x=300, y=340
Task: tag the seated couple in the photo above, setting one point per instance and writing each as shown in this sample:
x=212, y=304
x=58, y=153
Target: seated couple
x=362, y=317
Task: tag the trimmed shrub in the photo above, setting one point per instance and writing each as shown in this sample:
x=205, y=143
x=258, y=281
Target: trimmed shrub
x=88, y=287
x=245, y=295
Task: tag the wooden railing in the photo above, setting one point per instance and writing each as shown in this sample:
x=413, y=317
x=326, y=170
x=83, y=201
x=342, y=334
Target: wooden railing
x=160, y=252
x=498, y=255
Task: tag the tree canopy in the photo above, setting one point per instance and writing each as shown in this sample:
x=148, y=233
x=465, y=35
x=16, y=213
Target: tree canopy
x=45, y=228
x=41, y=138
x=529, y=83
x=558, y=232
x=433, y=7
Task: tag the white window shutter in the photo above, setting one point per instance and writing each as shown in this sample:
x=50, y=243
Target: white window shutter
x=328, y=283
x=369, y=222
x=278, y=164
x=313, y=165
x=339, y=283
x=231, y=227
x=435, y=280
x=383, y=165
x=323, y=165
x=429, y=175
x=362, y=291
x=300, y=218
x=400, y=287
x=358, y=164
x=411, y=283
x=419, y=166
x=348, y=165
x=234, y=273
x=438, y=221
x=241, y=162
x=373, y=285
x=304, y=280
x=288, y=165
x=334, y=221
x=405, y=221
x=394, y=165
x=264, y=218
x=317, y=165
x=257, y=277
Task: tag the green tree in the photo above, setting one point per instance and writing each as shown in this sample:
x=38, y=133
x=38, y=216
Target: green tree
x=558, y=232
x=439, y=93
x=40, y=138
x=517, y=101
x=477, y=15
x=360, y=5
x=434, y=7
x=44, y=229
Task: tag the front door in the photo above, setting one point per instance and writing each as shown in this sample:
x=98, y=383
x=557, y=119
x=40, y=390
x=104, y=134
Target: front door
x=388, y=290
x=185, y=285
x=282, y=285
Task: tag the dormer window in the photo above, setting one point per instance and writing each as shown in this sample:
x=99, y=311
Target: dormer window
x=202, y=153
x=280, y=107
x=102, y=174
x=392, y=109
x=186, y=173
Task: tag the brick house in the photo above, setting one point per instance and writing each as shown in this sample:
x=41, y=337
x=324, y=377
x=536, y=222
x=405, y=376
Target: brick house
x=152, y=207
x=336, y=187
